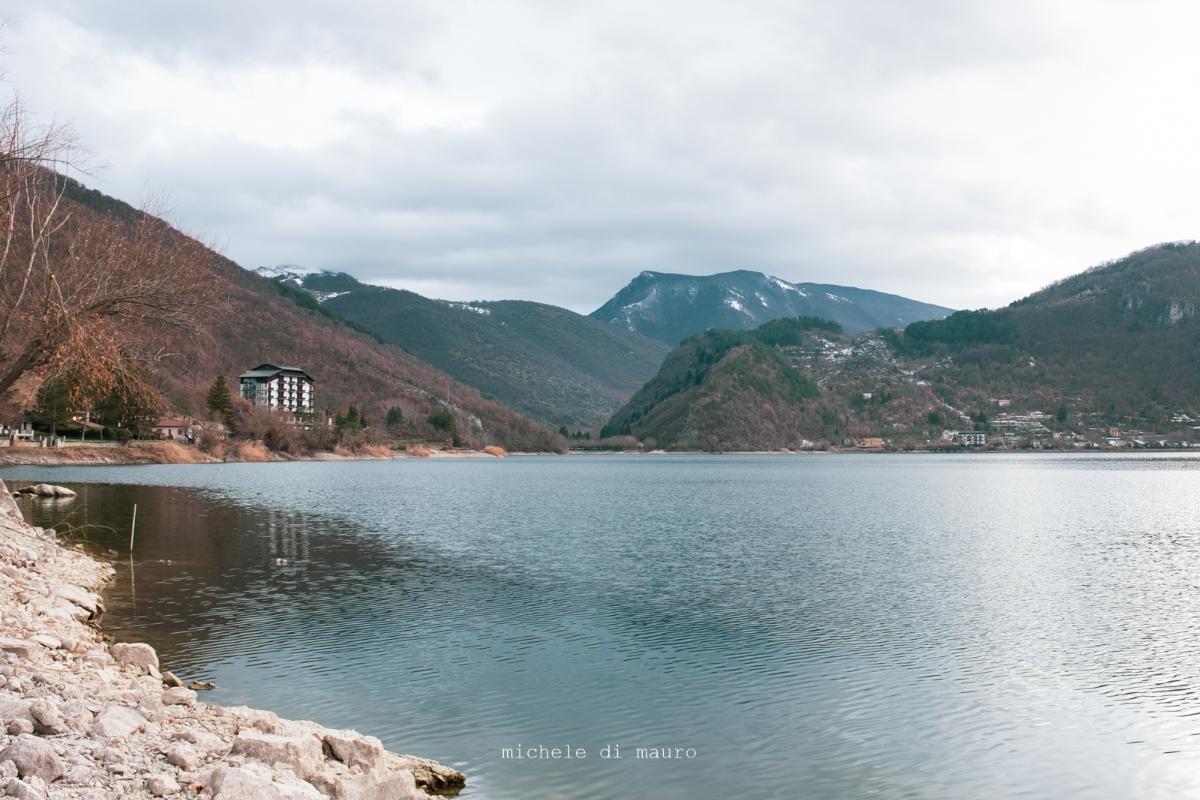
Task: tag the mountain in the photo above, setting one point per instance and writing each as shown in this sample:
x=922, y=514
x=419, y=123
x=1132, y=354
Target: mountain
x=552, y=364
x=672, y=307
x=269, y=320
x=1116, y=347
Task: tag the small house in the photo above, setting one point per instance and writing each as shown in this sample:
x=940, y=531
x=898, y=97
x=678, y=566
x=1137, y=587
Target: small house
x=175, y=428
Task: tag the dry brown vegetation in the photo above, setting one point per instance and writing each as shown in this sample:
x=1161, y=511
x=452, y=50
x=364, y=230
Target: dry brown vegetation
x=85, y=296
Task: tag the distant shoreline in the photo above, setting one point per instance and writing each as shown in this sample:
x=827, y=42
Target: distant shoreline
x=145, y=454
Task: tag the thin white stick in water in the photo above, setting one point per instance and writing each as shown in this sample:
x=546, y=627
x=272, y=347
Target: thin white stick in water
x=132, y=525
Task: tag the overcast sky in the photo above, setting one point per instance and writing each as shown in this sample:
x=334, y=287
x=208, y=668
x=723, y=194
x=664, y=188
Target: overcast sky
x=964, y=153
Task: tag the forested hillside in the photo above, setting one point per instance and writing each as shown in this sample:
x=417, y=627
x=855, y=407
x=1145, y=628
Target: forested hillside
x=260, y=320
x=550, y=363
x=1111, y=354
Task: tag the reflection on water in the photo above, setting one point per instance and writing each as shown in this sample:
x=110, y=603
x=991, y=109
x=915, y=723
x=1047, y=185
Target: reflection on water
x=826, y=627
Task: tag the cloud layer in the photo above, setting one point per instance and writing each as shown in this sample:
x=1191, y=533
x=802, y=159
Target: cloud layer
x=963, y=153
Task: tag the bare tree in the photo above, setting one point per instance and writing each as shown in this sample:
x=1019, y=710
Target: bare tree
x=84, y=294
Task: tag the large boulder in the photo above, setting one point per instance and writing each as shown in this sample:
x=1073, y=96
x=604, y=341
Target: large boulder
x=355, y=750
x=302, y=753
x=399, y=786
x=48, y=490
x=178, y=696
x=255, y=782
x=33, y=757
x=117, y=722
x=138, y=655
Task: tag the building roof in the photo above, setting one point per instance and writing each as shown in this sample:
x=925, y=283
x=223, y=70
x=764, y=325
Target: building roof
x=172, y=422
x=268, y=370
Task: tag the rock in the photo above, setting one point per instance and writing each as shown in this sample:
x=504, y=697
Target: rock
x=138, y=655
x=8, y=506
x=178, y=696
x=169, y=680
x=46, y=718
x=116, y=722
x=21, y=790
x=185, y=757
x=7, y=768
x=98, y=656
x=302, y=753
x=33, y=756
x=399, y=786
x=202, y=739
x=251, y=783
x=18, y=647
x=18, y=726
x=84, y=599
x=48, y=641
x=110, y=755
x=162, y=785
x=355, y=750
x=13, y=707
x=265, y=721
x=48, y=490
x=202, y=686
x=429, y=775
x=77, y=715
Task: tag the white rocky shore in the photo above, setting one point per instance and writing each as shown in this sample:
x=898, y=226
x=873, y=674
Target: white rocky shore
x=83, y=718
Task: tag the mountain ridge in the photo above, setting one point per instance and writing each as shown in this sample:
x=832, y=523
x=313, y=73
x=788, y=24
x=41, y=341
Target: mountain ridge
x=673, y=306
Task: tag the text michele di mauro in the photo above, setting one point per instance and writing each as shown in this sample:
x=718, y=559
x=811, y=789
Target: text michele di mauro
x=541, y=752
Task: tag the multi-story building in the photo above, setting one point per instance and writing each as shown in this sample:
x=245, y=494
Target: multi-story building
x=279, y=388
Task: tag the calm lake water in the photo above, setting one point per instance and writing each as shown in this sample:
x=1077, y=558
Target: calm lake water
x=824, y=626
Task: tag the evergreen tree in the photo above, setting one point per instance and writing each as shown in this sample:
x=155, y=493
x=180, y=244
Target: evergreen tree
x=52, y=406
x=219, y=401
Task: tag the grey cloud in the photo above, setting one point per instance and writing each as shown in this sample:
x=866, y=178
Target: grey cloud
x=911, y=148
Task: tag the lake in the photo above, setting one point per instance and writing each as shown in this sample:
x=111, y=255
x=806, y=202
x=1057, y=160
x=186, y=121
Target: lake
x=918, y=626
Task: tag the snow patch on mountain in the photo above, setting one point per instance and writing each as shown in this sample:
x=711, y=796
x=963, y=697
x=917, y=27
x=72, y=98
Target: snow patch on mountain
x=469, y=307
x=787, y=287
x=284, y=272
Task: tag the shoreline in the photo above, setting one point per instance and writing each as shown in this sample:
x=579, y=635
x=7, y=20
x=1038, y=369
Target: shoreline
x=88, y=719
x=143, y=453
x=144, y=456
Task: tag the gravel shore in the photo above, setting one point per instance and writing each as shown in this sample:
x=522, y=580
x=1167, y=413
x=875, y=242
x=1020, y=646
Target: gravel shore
x=85, y=718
